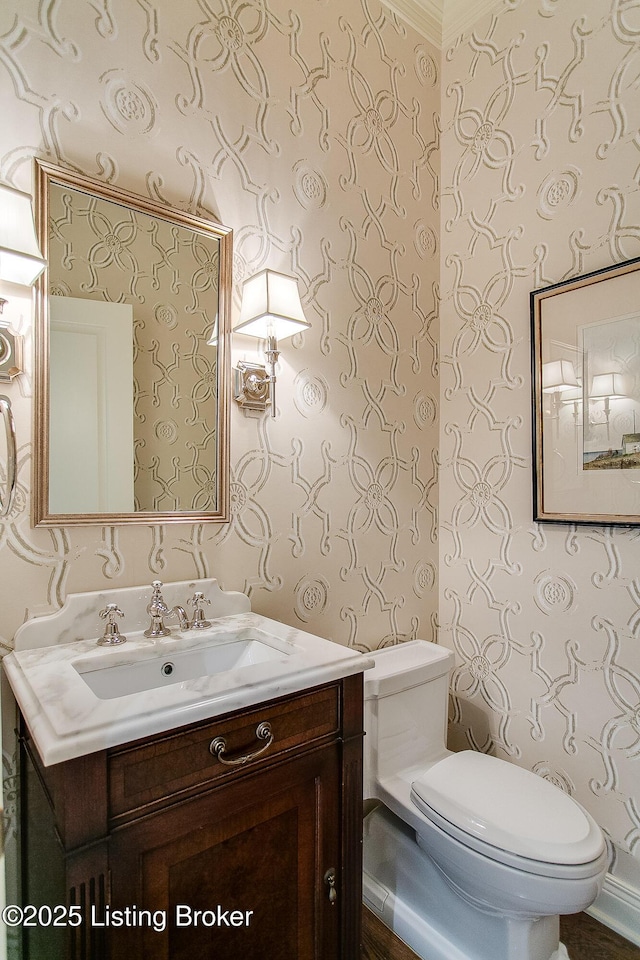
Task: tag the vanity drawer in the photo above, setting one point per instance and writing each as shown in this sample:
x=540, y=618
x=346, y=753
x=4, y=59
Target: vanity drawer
x=153, y=774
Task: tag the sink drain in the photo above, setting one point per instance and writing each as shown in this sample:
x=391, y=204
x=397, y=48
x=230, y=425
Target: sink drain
x=167, y=669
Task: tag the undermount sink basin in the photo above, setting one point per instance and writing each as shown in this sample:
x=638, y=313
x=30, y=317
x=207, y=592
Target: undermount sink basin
x=134, y=676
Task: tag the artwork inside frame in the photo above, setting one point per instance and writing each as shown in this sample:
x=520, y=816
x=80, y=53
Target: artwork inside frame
x=585, y=338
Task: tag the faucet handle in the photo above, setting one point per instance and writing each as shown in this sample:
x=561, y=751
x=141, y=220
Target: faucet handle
x=111, y=633
x=197, y=601
x=157, y=609
x=157, y=604
x=156, y=595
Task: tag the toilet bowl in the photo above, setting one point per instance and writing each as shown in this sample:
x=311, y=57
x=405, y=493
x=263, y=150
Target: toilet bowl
x=467, y=857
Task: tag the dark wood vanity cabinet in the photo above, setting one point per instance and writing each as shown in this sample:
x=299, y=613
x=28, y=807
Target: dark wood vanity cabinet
x=173, y=855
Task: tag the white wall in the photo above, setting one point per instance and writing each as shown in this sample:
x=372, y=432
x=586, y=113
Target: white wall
x=309, y=129
x=540, y=161
x=311, y=133
x=312, y=130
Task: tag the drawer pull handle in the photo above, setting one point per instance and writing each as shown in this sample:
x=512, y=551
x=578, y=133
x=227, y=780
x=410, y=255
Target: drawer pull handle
x=218, y=746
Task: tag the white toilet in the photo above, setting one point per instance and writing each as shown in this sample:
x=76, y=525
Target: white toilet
x=467, y=857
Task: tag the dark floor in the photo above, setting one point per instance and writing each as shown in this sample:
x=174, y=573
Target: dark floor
x=584, y=937
x=378, y=943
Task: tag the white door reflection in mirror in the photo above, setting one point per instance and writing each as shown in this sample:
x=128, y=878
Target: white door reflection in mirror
x=91, y=396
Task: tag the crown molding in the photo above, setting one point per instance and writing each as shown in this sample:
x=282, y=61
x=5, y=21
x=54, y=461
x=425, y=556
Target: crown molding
x=441, y=21
x=461, y=15
x=425, y=16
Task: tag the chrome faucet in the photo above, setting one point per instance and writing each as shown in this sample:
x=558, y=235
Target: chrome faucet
x=158, y=611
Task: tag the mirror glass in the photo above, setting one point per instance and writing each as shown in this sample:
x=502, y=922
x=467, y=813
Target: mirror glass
x=132, y=358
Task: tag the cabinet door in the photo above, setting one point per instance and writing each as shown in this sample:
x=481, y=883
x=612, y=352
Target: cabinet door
x=237, y=873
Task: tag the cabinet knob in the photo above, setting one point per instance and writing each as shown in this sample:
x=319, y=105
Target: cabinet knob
x=330, y=883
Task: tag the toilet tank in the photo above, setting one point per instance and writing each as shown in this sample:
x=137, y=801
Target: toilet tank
x=405, y=709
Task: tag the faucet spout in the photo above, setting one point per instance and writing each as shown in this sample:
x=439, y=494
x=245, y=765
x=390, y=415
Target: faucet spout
x=159, y=611
x=181, y=614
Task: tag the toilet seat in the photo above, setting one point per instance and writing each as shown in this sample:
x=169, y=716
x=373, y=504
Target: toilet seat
x=471, y=796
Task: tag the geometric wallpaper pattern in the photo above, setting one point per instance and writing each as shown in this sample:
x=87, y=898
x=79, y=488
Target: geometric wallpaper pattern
x=313, y=136
x=311, y=130
x=418, y=198
x=540, y=182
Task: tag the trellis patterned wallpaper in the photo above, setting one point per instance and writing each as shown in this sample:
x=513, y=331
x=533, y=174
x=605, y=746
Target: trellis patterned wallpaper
x=540, y=182
x=314, y=130
x=311, y=130
x=312, y=134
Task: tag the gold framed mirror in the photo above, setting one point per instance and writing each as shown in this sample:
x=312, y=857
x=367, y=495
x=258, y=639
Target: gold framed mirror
x=132, y=368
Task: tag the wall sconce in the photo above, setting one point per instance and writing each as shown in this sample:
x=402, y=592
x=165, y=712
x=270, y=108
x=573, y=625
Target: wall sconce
x=573, y=396
x=606, y=387
x=20, y=262
x=271, y=310
x=558, y=376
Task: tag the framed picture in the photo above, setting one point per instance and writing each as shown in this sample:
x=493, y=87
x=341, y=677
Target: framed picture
x=585, y=338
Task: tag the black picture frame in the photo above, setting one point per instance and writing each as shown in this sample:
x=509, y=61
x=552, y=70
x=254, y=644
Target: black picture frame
x=585, y=364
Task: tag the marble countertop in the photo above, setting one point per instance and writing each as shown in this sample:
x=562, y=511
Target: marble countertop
x=67, y=719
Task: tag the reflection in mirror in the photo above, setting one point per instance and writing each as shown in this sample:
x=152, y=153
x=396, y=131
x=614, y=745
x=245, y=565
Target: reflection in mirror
x=131, y=358
x=586, y=380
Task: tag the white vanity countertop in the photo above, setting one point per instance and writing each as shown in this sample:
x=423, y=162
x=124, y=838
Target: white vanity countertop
x=66, y=719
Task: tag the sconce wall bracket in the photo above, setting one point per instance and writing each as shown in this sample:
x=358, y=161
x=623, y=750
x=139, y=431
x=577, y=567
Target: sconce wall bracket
x=10, y=354
x=251, y=386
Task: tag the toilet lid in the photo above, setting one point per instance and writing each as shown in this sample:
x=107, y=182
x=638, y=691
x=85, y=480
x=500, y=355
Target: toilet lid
x=477, y=793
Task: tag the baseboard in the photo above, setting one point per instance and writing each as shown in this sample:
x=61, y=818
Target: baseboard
x=618, y=907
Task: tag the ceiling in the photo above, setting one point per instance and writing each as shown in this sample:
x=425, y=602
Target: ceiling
x=441, y=21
